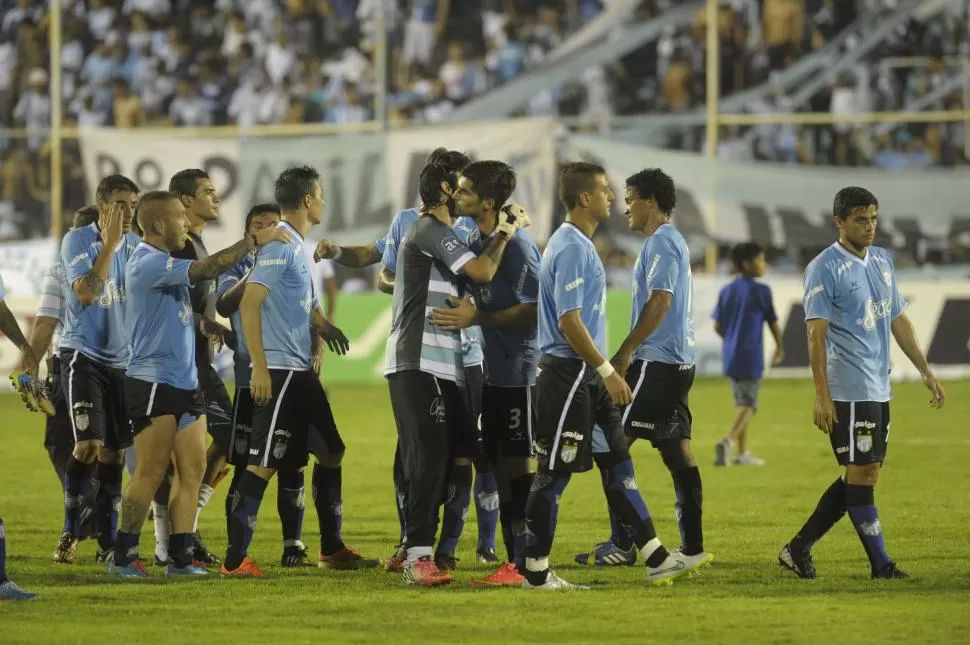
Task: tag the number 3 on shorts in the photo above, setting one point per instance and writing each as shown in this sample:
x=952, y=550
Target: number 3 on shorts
x=515, y=418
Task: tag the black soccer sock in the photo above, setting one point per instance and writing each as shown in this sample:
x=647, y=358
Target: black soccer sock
x=242, y=523
x=126, y=548
x=624, y=499
x=486, y=506
x=327, y=498
x=690, y=499
x=400, y=493
x=77, y=487
x=180, y=547
x=861, y=504
x=231, y=497
x=3, y=553
x=291, y=503
x=107, y=479
x=456, y=508
x=512, y=516
x=541, y=515
x=831, y=507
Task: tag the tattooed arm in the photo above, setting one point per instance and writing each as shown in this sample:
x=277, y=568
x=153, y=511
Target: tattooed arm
x=485, y=266
x=218, y=263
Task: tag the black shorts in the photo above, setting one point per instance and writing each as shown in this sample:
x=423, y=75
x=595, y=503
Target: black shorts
x=860, y=436
x=432, y=418
x=218, y=409
x=95, y=396
x=147, y=401
x=58, y=430
x=508, y=416
x=570, y=399
x=297, y=420
x=659, y=410
x=242, y=427
x=468, y=440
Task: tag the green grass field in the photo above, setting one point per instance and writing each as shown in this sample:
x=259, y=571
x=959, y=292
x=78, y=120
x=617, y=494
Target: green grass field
x=744, y=597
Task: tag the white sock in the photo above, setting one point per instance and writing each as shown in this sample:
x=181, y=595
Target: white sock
x=647, y=550
x=163, y=529
x=536, y=564
x=415, y=553
x=205, y=492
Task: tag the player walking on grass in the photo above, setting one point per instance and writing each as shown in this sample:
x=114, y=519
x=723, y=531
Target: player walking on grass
x=506, y=309
x=94, y=354
x=743, y=307
x=852, y=306
x=11, y=330
x=424, y=367
x=163, y=397
x=290, y=492
x=280, y=312
x=577, y=387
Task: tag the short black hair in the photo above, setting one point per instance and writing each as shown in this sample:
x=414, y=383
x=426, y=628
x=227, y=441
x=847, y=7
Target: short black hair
x=745, y=252
x=493, y=180
x=654, y=183
x=293, y=185
x=146, y=212
x=85, y=215
x=575, y=179
x=186, y=182
x=447, y=160
x=850, y=198
x=112, y=184
x=429, y=184
x=261, y=209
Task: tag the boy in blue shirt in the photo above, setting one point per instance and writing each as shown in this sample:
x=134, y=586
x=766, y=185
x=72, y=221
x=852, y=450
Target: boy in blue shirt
x=743, y=307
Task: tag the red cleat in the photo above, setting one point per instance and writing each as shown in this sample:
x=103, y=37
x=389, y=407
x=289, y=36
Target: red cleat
x=395, y=563
x=246, y=569
x=344, y=559
x=506, y=575
x=425, y=573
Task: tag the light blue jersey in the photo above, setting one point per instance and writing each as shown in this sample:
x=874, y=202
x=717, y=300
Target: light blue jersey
x=471, y=338
x=860, y=299
x=282, y=268
x=510, y=352
x=161, y=318
x=571, y=276
x=664, y=265
x=99, y=331
x=240, y=357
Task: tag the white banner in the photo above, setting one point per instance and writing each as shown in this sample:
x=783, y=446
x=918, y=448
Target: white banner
x=150, y=159
x=778, y=205
x=23, y=265
x=529, y=146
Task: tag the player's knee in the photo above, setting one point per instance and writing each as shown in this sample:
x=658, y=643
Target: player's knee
x=110, y=455
x=676, y=454
x=332, y=460
x=866, y=475
x=514, y=467
x=462, y=461
x=86, y=451
x=262, y=472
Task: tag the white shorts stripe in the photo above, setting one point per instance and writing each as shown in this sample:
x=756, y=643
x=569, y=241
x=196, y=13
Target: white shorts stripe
x=851, y=431
x=636, y=390
x=528, y=415
x=272, y=424
x=562, y=417
x=151, y=400
x=70, y=394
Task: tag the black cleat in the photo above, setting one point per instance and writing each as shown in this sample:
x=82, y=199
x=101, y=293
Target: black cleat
x=105, y=555
x=295, y=556
x=487, y=555
x=890, y=572
x=798, y=563
x=160, y=563
x=200, y=554
x=446, y=562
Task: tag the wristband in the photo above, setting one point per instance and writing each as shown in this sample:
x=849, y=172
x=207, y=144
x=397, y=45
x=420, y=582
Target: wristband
x=605, y=370
x=340, y=252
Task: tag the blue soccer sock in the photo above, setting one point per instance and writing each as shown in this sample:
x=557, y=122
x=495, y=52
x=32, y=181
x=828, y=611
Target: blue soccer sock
x=860, y=501
x=626, y=503
x=486, y=507
x=3, y=553
x=456, y=509
x=542, y=514
x=328, y=500
x=245, y=509
x=291, y=505
x=107, y=483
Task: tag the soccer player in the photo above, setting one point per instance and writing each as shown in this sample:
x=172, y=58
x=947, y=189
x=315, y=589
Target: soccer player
x=164, y=401
x=44, y=336
x=290, y=492
x=506, y=309
x=9, y=328
x=852, y=305
x=280, y=311
x=577, y=387
x=424, y=367
x=657, y=359
x=198, y=196
x=94, y=354
x=743, y=308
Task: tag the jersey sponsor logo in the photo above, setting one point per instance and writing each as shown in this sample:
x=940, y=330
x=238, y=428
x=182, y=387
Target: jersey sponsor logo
x=437, y=409
x=77, y=259
x=111, y=294
x=642, y=424
x=887, y=277
x=572, y=285
x=843, y=267
x=170, y=264
x=814, y=291
x=450, y=244
x=272, y=262
x=185, y=314
x=654, y=263
x=875, y=311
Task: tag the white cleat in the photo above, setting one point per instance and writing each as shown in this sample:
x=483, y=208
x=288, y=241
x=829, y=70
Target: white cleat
x=669, y=570
x=555, y=583
x=747, y=459
x=694, y=562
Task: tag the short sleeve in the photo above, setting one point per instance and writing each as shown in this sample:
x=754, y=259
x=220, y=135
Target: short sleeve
x=899, y=302
x=768, y=305
x=227, y=281
x=76, y=256
x=819, y=292
x=719, y=306
x=527, y=285
x=161, y=271
x=271, y=263
x=442, y=243
x=664, y=267
x=391, y=243
x=51, y=303
x=571, y=269
x=380, y=244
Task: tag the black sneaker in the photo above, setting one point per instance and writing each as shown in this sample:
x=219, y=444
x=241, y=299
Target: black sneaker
x=200, y=554
x=890, y=572
x=105, y=555
x=446, y=562
x=295, y=556
x=798, y=563
x=487, y=555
